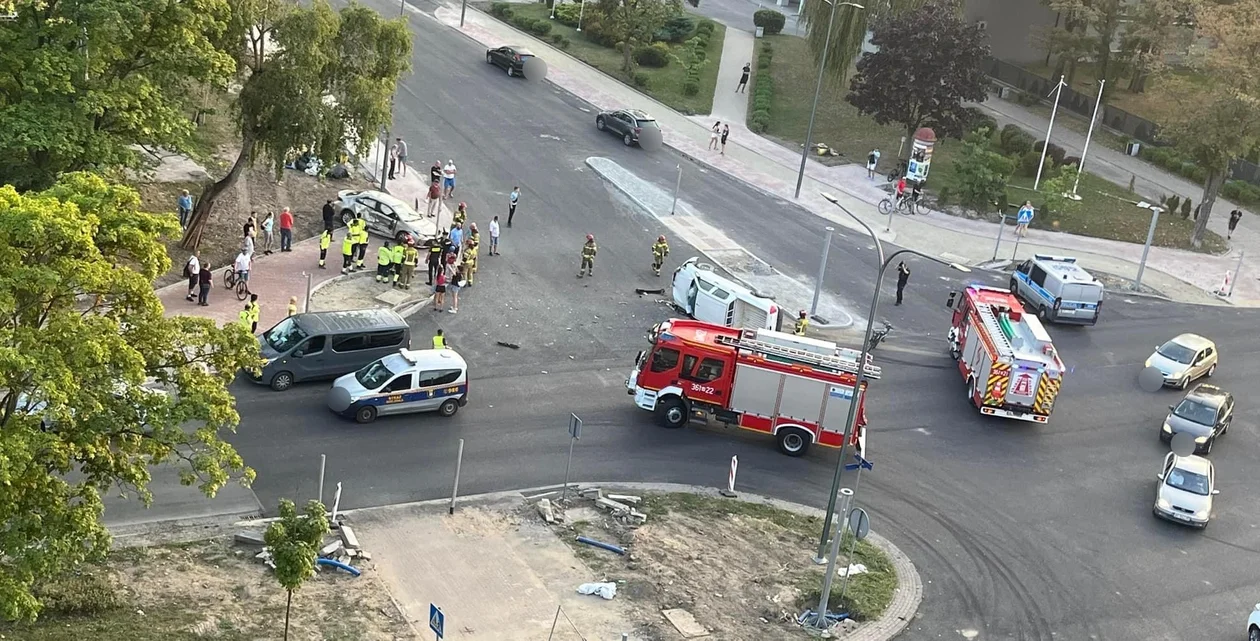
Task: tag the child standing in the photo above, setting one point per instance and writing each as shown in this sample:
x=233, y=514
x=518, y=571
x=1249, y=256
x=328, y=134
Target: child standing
x=293, y=305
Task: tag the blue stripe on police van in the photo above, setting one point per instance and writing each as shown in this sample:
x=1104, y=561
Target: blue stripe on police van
x=417, y=395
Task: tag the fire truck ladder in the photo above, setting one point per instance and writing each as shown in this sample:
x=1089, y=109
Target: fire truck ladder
x=826, y=361
x=1000, y=341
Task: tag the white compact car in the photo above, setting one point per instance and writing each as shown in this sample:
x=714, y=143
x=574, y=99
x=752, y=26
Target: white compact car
x=1185, y=490
x=1253, y=624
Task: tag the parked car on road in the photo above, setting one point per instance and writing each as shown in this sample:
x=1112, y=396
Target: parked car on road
x=1184, y=359
x=1253, y=624
x=386, y=216
x=1205, y=414
x=1185, y=490
x=627, y=123
x=511, y=58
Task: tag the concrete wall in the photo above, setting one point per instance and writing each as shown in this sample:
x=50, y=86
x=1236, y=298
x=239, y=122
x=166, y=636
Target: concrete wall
x=1012, y=25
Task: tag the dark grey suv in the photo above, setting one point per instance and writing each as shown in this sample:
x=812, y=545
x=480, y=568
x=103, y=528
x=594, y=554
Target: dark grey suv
x=627, y=123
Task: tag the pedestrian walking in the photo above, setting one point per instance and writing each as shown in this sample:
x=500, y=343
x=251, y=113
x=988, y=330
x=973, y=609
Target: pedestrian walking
x=494, y=236
x=435, y=199
x=329, y=215
x=255, y=313
x=659, y=251
x=587, y=266
x=714, y=132
x=903, y=277
x=205, y=278
x=1234, y=217
x=434, y=258
x=448, y=178
x=247, y=244
x=268, y=226
x=513, y=199
x=393, y=159
x=184, y=204
x=192, y=270
x=286, y=230
x=726, y=131
x=1025, y=216
x=439, y=289
x=347, y=251
x=455, y=281
x=439, y=340
x=435, y=172
x=395, y=260
x=402, y=154
x=743, y=78
x=802, y=323
x=411, y=257
x=293, y=308
x=872, y=164
x=384, y=256
x=325, y=239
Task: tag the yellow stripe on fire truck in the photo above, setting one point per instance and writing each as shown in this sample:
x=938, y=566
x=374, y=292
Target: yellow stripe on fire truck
x=999, y=378
x=1047, y=391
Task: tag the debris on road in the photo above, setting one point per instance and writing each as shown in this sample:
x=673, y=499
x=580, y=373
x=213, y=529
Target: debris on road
x=249, y=538
x=626, y=498
x=685, y=623
x=348, y=537
x=507, y=344
x=643, y=292
x=611, y=505
x=545, y=510
x=603, y=546
x=605, y=590
x=332, y=549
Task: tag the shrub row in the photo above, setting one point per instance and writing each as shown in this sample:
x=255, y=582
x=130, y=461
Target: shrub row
x=763, y=91
x=770, y=20
x=654, y=55
x=1241, y=192
x=1172, y=160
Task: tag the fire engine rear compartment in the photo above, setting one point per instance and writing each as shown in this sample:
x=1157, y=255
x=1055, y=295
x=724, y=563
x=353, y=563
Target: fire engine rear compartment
x=767, y=399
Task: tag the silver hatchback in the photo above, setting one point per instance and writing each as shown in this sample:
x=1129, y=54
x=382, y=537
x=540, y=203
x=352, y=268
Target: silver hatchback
x=1185, y=490
x=1184, y=359
x=385, y=215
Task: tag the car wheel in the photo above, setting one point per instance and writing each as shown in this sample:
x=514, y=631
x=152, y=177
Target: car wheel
x=347, y=215
x=672, y=413
x=1253, y=634
x=628, y=140
x=1185, y=382
x=1211, y=370
x=793, y=441
x=365, y=414
x=282, y=381
x=489, y=58
x=1042, y=313
x=599, y=124
x=510, y=72
x=1207, y=447
x=448, y=407
x=1014, y=286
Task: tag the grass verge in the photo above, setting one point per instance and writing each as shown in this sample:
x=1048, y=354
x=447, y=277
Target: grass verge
x=664, y=84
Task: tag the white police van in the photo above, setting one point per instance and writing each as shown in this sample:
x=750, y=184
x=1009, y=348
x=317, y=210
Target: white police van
x=1058, y=290
x=425, y=380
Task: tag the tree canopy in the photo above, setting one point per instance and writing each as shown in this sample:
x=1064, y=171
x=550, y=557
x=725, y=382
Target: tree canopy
x=848, y=30
x=83, y=345
x=928, y=62
x=80, y=82
x=634, y=22
x=294, y=541
x=312, y=78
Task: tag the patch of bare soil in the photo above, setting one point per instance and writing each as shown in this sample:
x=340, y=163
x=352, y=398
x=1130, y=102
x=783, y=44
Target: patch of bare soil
x=743, y=570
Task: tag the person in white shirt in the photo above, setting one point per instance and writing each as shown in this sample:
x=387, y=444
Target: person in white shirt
x=241, y=266
x=247, y=245
x=494, y=236
x=191, y=270
x=448, y=179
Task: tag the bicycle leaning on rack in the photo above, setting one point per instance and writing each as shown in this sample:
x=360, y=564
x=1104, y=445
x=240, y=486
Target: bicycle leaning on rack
x=232, y=280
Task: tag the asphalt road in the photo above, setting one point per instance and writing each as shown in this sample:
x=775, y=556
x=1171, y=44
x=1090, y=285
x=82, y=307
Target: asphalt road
x=1019, y=531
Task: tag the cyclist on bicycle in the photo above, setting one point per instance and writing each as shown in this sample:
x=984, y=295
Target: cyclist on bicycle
x=242, y=267
x=916, y=191
x=901, y=190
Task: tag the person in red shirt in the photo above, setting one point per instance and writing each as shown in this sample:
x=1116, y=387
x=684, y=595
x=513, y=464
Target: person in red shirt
x=901, y=192
x=286, y=230
x=435, y=198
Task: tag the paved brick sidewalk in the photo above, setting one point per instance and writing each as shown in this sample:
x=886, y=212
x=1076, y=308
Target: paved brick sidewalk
x=772, y=168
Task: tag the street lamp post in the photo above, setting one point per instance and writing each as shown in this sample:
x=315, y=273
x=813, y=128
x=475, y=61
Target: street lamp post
x=1150, y=236
x=581, y=12
x=822, y=68
x=822, y=271
x=861, y=375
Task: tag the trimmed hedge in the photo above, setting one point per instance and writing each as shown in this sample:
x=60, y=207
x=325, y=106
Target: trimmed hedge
x=569, y=13
x=1053, y=151
x=1241, y=192
x=770, y=20
x=763, y=91
x=654, y=55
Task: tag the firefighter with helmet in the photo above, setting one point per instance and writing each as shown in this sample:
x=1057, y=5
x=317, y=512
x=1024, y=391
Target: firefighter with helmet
x=461, y=213
x=659, y=251
x=396, y=258
x=587, y=267
x=471, y=245
x=802, y=324
x=411, y=256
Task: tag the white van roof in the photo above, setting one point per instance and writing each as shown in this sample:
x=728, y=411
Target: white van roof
x=432, y=358
x=1064, y=267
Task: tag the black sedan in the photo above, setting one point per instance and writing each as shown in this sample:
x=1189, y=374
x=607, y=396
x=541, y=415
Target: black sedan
x=511, y=58
x=626, y=123
x=1204, y=413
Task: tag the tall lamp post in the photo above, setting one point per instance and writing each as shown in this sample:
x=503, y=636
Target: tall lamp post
x=861, y=380
x=822, y=68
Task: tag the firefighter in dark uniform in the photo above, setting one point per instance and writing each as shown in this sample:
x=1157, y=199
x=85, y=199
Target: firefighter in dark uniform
x=434, y=258
x=659, y=251
x=587, y=267
x=802, y=324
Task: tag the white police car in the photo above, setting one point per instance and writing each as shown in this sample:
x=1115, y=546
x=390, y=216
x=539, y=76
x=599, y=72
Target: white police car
x=425, y=380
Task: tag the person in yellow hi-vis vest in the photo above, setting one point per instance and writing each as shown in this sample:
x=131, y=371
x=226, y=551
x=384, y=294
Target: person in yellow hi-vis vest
x=439, y=340
x=347, y=252
x=395, y=260
x=358, y=228
x=411, y=257
x=587, y=267
x=471, y=247
x=461, y=213
x=325, y=239
x=659, y=251
x=244, y=317
x=384, y=258
x=802, y=324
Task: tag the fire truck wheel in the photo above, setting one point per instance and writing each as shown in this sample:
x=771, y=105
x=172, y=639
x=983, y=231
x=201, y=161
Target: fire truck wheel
x=971, y=391
x=672, y=413
x=793, y=441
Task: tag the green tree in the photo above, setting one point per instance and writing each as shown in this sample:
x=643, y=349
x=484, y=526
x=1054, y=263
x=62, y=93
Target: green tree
x=294, y=541
x=83, y=343
x=980, y=174
x=81, y=82
x=1069, y=40
x=1146, y=38
x=848, y=30
x=1057, y=191
x=632, y=23
x=312, y=78
x=928, y=62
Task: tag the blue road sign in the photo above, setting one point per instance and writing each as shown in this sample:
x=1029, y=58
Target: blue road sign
x=861, y=463
x=1025, y=215
x=575, y=426
x=437, y=620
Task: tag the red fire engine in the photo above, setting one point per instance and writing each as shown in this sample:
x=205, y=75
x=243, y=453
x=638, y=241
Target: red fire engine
x=1005, y=355
x=796, y=388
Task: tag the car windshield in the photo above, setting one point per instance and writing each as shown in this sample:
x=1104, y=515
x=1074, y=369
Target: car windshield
x=284, y=336
x=1175, y=351
x=1196, y=411
x=374, y=375
x=1188, y=481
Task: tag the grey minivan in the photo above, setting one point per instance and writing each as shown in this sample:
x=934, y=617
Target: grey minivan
x=323, y=345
